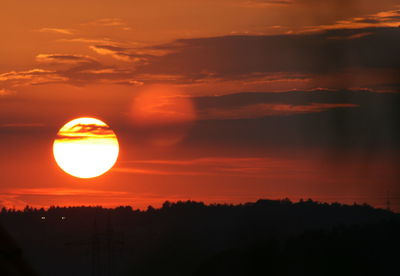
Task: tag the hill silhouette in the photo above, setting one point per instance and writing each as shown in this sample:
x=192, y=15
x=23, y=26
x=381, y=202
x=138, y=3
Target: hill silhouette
x=267, y=237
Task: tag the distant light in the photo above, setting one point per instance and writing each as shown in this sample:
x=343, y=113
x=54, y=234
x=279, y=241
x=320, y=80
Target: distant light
x=43, y=217
x=63, y=218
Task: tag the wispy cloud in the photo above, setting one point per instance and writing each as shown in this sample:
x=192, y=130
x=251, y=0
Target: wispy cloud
x=86, y=131
x=61, y=191
x=120, y=53
x=21, y=125
x=5, y=92
x=389, y=18
x=56, y=30
x=31, y=77
x=228, y=64
x=109, y=23
x=295, y=60
x=223, y=166
x=159, y=172
x=352, y=36
x=264, y=3
x=262, y=110
x=138, y=54
x=12, y=201
x=23, y=74
x=64, y=58
x=261, y=104
x=204, y=161
x=106, y=41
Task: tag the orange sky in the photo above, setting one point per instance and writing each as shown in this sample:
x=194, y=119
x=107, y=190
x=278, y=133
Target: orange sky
x=220, y=101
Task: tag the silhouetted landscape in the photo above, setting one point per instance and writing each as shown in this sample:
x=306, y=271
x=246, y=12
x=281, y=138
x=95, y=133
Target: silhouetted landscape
x=267, y=237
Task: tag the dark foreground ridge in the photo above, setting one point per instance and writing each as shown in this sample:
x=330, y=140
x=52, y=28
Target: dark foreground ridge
x=268, y=237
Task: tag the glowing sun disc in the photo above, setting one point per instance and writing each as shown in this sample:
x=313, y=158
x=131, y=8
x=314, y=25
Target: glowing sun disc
x=85, y=148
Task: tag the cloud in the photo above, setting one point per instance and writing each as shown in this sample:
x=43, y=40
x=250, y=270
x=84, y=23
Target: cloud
x=106, y=41
x=31, y=77
x=352, y=36
x=108, y=22
x=23, y=74
x=64, y=58
x=272, y=62
x=103, y=71
x=76, y=70
x=19, y=125
x=86, y=131
x=107, y=49
x=61, y=192
x=300, y=98
x=254, y=167
x=227, y=64
x=116, y=52
x=159, y=172
x=209, y=161
x=123, y=54
x=258, y=104
x=12, y=201
x=5, y=92
x=332, y=58
x=139, y=55
x=162, y=78
x=293, y=101
x=56, y=30
x=264, y=3
x=317, y=119
x=262, y=110
x=233, y=57
x=382, y=19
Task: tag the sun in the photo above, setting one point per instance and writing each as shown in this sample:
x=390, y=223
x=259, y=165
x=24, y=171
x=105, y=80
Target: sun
x=86, y=147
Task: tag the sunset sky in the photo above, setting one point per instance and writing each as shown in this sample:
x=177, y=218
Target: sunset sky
x=215, y=100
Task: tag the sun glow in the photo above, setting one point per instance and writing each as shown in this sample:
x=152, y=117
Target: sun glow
x=163, y=114
x=86, y=148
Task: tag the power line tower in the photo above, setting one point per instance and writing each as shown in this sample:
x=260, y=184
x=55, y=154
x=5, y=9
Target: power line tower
x=110, y=248
x=95, y=248
x=94, y=245
x=113, y=242
x=103, y=247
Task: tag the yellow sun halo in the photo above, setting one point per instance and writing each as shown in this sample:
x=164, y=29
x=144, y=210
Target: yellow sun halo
x=86, y=148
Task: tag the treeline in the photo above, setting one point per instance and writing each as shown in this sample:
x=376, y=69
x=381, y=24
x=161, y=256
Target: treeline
x=267, y=237
x=267, y=203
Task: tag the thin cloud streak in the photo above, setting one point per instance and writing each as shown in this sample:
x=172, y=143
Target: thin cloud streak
x=217, y=166
x=107, y=22
x=5, y=92
x=21, y=125
x=264, y=3
x=31, y=77
x=64, y=58
x=263, y=110
x=61, y=192
x=384, y=19
x=158, y=172
x=56, y=30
